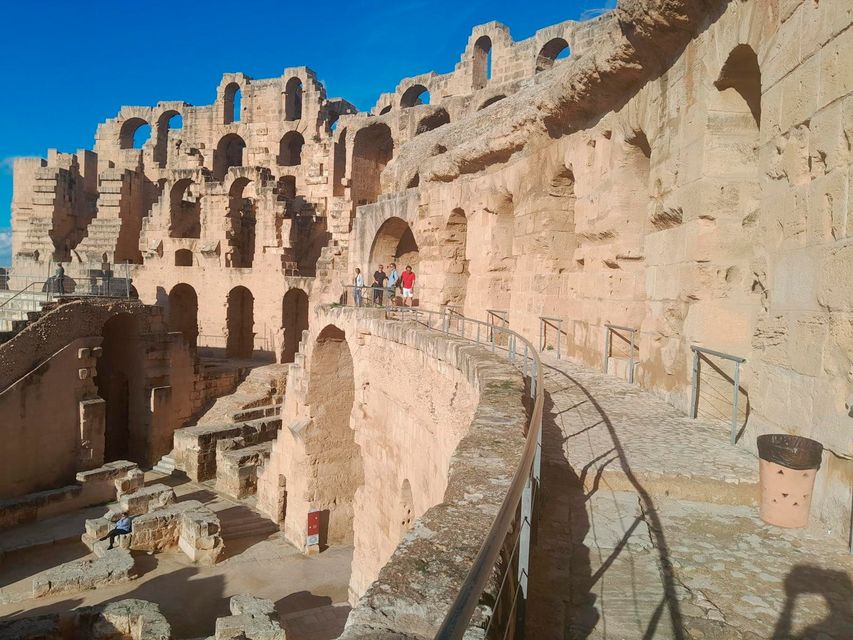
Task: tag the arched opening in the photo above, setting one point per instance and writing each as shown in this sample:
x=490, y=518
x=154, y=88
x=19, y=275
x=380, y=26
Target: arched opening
x=414, y=95
x=415, y=181
x=385, y=109
x=232, y=103
x=118, y=371
x=133, y=134
x=482, y=63
x=241, y=222
x=290, y=149
x=491, y=101
x=183, y=258
x=553, y=50
x=339, y=169
x=294, y=320
x=240, y=323
x=433, y=121
x=454, y=250
x=168, y=120
x=183, y=312
x=228, y=153
x=330, y=442
x=293, y=99
x=395, y=242
x=373, y=148
x=184, y=210
x=741, y=75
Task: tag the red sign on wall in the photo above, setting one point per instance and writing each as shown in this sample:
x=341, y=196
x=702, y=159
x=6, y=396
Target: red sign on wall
x=313, y=537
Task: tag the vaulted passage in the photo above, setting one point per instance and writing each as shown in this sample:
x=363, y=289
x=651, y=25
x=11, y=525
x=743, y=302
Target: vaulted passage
x=373, y=148
x=395, y=242
x=229, y=153
x=290, y=149
x=183, y=312
x=184, y=210
x=119, y=381
x=294, y=314
x=240, y=322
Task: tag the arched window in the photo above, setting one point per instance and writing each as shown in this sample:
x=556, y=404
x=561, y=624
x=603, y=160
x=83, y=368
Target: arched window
x=169, y=120
x=385, y=110
x=241, y=223
x=433, y=121
x=414, y=95
x=482, y=61
x=233, y=103
x=290, y=149
x=491, y=101
x=240, y=323
x=742, y=73
x=134, y=132
x=183, y=258
x=229, y=153
x=372, y=150
x=293, y=99
x=553, y=50
x=184, y=211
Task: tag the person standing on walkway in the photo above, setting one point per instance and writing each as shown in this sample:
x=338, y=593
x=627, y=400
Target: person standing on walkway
x=60, y=279
x=408, y=282
x=122, y=528
x=358, y=285
x=393, y=277
x=379, y=278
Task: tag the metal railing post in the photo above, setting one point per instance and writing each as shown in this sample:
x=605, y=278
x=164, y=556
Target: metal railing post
x=127, y=277
x=631, y=361
x=541, y=334
x=735, y=402
x=607, y=342
x=559, y=336
x=524, y=537
x=694, y=387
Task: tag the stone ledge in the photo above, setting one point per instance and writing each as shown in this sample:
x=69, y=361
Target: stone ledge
x=114, y=567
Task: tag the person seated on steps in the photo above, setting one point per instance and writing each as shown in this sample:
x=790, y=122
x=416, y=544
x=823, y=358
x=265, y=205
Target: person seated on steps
x=122, y=528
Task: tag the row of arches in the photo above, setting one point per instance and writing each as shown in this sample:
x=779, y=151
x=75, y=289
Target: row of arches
x=136, y=131
x=182, y=315
x=232, y=101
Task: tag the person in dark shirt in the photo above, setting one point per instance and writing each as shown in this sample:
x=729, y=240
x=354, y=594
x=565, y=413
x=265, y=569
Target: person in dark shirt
x=379, y=278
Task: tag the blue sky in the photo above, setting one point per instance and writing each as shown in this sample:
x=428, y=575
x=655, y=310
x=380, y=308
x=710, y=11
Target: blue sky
x=70, y=65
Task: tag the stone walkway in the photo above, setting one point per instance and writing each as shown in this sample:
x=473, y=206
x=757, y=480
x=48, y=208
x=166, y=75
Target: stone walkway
x=648, y=529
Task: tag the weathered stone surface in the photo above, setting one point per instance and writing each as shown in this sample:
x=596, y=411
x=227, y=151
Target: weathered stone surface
x=251, y=619
x=125, y=619
x=45, y=627
x=114, y=567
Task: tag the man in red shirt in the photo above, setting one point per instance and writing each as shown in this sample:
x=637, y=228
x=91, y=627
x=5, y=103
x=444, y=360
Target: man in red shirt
x=408, y=280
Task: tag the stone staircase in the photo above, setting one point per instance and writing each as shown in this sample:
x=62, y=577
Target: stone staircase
x=18, y=309
x=242, y=521
x=166, y=465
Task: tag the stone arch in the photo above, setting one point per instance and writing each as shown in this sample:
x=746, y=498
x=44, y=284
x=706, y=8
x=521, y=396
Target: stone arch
x=290, y=149
x=395, y=242
x=415, y=95
x=454, y=242
x=438, y=118
x=128, y=138
x=232, y=102
x=166, y=122
x=294, y=320
x=183, y=312
x=293, y=99
x=183, y=258
x=482, y=62
x=240, y=323
x=373, y=148
x=386, y=109
x=241, y=225
x=550, y=52
x=119, y=381
x=228, y=153
x=491, y=101
x=184, y=210
x=330, y=442
x=741, y=74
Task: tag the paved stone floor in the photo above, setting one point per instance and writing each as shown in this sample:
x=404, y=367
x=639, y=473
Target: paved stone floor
x=310, y=594
x=648, y=530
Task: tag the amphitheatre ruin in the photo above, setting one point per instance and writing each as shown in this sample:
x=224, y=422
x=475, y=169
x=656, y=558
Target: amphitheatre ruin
x=633, y=245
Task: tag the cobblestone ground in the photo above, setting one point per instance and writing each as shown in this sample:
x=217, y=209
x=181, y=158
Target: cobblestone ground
x=648, y=530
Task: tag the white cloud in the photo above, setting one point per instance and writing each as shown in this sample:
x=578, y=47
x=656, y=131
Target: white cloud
x=5, y=247
x=594, y=13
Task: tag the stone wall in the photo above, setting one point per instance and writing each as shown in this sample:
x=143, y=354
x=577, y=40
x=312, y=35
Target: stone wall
x=438, y=428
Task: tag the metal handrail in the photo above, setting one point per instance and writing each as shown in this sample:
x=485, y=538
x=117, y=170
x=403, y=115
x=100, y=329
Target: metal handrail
x=544, y=321
x=522, y=490
x=694, y=383
x=608, y=346
x=9, y=299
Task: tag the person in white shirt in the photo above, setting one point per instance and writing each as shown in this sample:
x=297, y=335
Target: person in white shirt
x=358, y=285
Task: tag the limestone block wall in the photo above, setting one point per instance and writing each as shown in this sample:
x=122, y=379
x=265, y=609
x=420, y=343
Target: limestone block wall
x=413, y=398
x=704, y=206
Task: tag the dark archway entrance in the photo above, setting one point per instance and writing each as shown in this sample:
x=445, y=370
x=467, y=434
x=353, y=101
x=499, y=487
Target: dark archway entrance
x=395, y=242
x=183, y=312
x=119, y=370
x=294, y=320
x=240, y=339
x=372, y=149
